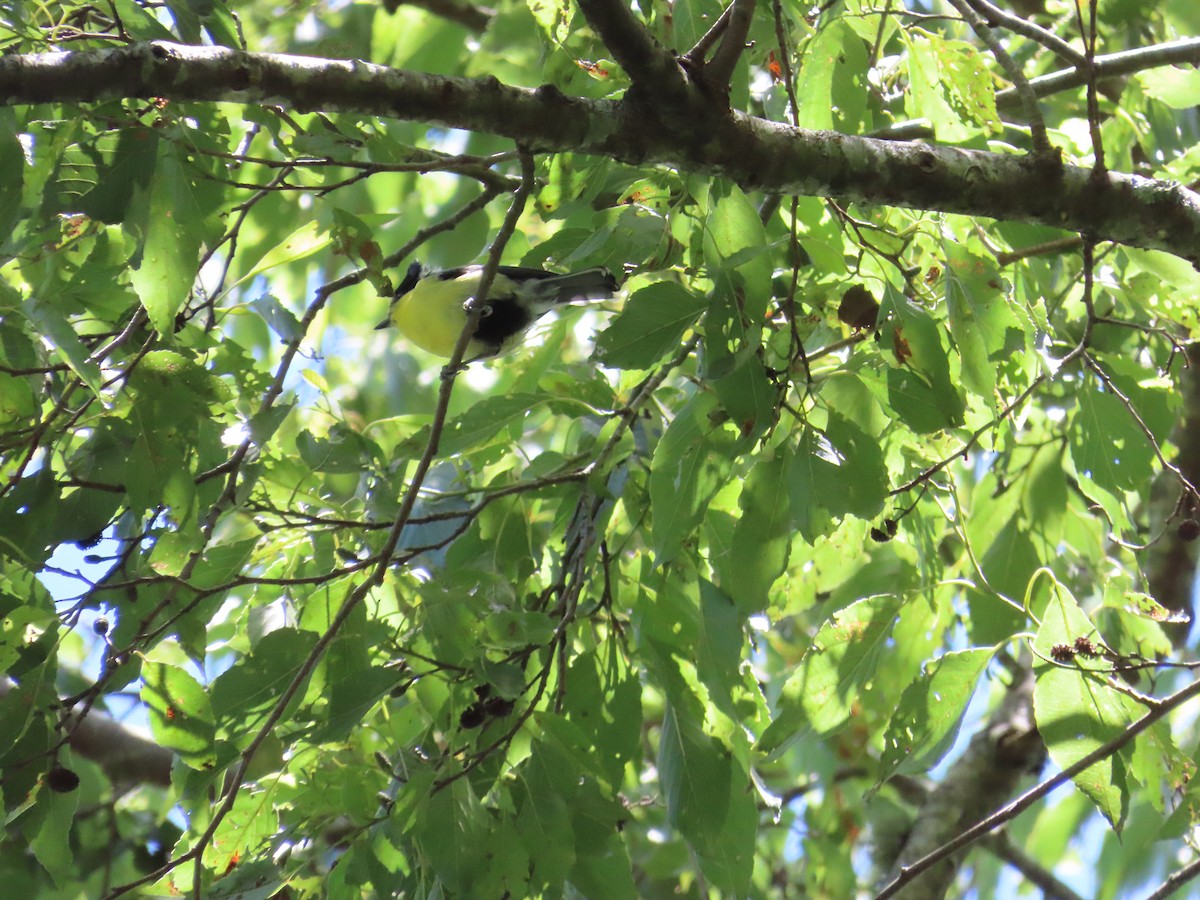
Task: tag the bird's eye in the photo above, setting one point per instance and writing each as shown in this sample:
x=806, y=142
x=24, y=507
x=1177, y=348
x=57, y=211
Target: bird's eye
x=485, y=312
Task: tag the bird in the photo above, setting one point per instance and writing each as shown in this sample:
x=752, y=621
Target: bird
x=428, y=306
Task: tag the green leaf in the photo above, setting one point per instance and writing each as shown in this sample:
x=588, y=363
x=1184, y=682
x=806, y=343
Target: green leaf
x=950, y=87
x=140, y=24
x=1106, y=444
x=688, y=467
x=452, y=830
x=606, y=875
x=695, y=772
x=981, y=322
x=17, y=402
x=920, y=389
x=544, y=819
x=281, y=319
x=727, y=858
x=719, y=649
x=250, y=825
x=831, y=90
x=820, y=694
x=650, y=325
x=181, y=717
x=245, y=692
x=1008, y=562
x=311, y=237
x=175, y=231
x=1076, y=710
x=833, y=474
x=1177, y=88
x=103, y=175
x=734, y=237
x=553, y=18
x=1160, y=767
x=820, y=235
x=1139, y=604
x=52, y=843
x=601, y=860
x=48, y=320
x=341, y=450
x=860, y=482
x=930, y=711
x=748, y=397
x=484, y=421
x=12, y=172
x=762, y=536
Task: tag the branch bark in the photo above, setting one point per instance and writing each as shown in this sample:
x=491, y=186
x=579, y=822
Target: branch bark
x=475, y=18
x=909, y=874
x=1113, y=65
x=126, y=757
x=757, y=154
x=733, y=43
x=986, y=775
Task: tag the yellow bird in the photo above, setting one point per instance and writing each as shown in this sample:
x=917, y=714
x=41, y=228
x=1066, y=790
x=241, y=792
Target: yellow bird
x=428, y=307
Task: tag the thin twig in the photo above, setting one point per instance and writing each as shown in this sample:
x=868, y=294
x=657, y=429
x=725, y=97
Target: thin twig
x=1177, y=879
x=1010, y=811
x=1093, y=102
x=1036, y=33
x=1111, y=386
x=475, y=18
x=709, y=38
x=1037, y=125
x=1035, y=872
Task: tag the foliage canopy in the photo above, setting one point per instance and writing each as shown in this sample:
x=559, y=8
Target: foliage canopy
x=866, y=508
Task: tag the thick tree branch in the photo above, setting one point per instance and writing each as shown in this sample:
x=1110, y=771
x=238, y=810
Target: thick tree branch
x=909, y=874
x=126, y=757
x=986, y=775
x=757, y=154
x=733, y=44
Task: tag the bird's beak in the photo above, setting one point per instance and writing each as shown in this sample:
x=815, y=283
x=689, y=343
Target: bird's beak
x=384, y=324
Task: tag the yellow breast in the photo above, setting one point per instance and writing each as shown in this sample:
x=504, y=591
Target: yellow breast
x=431, y=316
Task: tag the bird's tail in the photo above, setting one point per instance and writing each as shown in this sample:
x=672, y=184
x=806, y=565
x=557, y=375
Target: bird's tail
x=586, y=284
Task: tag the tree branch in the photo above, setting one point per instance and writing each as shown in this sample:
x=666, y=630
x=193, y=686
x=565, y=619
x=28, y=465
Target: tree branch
x=998, y=757
x=1114, y=65
x=126, y=757
x=1037, y=126
x=907, y=874
x=757, y=154
x=1177, y=879
x=650, y=66
x=709, y=39
x=719, y=69
x=1127, y=62
x=475, y=18
x=996, y=16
